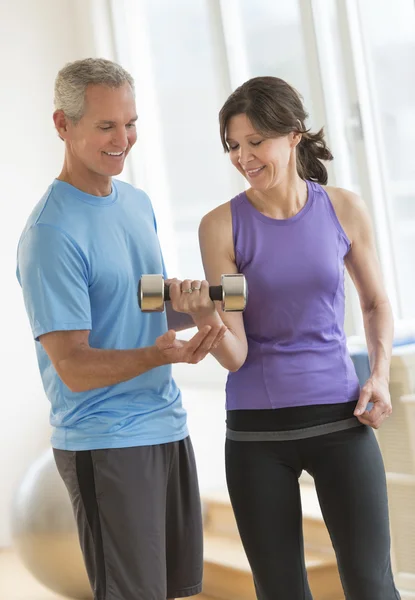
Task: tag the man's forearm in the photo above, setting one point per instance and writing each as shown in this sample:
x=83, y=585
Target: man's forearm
x=90, y=368
x=378, y=324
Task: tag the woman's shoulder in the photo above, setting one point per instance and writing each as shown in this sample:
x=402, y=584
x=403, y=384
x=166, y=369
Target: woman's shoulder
x=223, y=212
x=350, y=209
x=221, y=215
x=342, y=197
x=345, y=202
x=215, y=230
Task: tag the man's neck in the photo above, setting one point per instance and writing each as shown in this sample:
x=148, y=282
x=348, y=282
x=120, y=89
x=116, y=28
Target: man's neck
x=90, y=183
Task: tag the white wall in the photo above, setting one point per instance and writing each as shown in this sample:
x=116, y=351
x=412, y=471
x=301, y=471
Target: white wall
x=36, y=39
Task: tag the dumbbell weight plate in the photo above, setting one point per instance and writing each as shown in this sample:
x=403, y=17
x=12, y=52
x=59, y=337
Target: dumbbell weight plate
x=151, y=293
x=234, y=292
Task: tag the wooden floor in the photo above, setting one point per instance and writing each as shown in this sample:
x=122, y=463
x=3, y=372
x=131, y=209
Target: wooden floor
x=16, y=583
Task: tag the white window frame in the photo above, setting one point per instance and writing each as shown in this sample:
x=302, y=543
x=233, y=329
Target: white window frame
x=370, y=157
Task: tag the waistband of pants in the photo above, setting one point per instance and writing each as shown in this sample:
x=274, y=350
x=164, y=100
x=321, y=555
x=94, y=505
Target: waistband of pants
x=292, y=434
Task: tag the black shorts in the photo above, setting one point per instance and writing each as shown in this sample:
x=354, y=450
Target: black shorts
x=139, y=519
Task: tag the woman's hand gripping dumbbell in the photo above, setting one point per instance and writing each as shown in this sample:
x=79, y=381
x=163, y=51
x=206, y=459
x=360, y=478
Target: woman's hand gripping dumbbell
x=192, y=296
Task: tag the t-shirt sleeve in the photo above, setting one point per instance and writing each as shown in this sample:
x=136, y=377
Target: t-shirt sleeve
x=53, y=273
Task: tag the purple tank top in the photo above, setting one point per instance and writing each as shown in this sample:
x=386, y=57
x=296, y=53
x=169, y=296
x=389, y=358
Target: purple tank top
x=294, y=320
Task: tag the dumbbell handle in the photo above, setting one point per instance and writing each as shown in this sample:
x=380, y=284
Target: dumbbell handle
x=215, y=293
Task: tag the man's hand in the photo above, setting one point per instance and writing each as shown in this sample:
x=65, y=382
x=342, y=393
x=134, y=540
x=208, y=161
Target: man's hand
x=192, y=351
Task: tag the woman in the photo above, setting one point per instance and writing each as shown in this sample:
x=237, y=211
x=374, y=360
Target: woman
x=293, y=398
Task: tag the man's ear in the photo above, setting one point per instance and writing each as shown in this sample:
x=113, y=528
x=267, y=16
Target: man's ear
x=61, y=124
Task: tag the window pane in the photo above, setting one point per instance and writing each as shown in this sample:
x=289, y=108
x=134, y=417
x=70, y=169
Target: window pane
x=275, y=43
x=389, y=30
x=190, y=93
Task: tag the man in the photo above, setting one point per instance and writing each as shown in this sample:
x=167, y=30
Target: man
x=120, y=438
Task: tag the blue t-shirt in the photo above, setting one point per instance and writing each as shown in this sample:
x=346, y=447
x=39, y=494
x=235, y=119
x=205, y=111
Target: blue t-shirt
x=80, y=258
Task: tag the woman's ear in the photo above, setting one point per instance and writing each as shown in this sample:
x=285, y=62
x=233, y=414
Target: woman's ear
x=296, y=137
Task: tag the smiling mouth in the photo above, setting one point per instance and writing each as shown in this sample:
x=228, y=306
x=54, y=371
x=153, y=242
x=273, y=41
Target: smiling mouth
x=253, y=172
x=113, y=154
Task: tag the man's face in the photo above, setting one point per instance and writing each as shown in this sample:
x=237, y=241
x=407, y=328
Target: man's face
x=101, y=140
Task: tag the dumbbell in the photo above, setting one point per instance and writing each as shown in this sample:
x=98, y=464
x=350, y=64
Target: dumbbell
x=232, y=293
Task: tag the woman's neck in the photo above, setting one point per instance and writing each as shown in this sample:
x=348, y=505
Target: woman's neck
x=282, y=201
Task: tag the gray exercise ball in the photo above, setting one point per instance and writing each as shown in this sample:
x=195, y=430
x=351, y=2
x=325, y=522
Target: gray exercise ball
x=44, y=531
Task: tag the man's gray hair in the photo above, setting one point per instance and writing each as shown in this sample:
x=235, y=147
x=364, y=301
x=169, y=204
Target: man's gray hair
x=72, y=81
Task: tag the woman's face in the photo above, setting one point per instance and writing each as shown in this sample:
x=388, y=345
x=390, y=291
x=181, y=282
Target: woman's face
x=262, y=161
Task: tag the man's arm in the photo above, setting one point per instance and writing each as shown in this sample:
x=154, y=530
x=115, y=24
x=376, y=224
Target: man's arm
x=83, y=368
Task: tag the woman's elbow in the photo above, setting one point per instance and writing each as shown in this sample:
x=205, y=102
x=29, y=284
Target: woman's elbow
x=234, y=368
x=236, y=364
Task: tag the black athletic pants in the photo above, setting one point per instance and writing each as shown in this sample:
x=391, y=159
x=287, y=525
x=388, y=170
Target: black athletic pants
x=349, y=475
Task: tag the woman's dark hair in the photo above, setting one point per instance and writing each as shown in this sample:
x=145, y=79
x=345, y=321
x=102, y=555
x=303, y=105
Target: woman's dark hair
x=275, y=109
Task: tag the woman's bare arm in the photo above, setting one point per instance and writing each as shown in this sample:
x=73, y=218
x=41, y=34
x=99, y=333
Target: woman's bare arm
x=216, y=245
x=363, y=266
